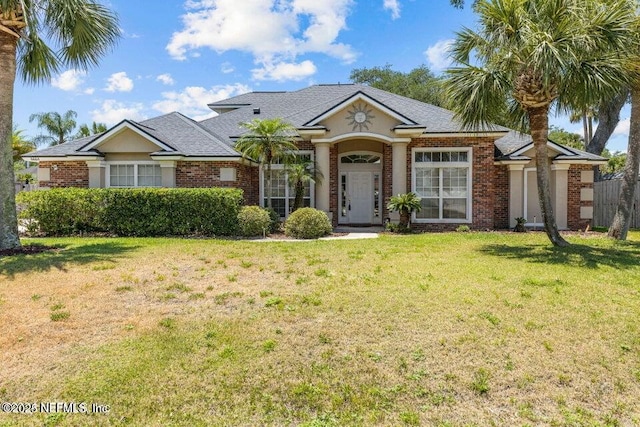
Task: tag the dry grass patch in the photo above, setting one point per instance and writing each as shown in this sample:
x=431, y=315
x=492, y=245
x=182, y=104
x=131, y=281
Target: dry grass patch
x=437, y=329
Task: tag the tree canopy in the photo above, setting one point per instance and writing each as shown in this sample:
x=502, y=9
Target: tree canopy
x=420, y=83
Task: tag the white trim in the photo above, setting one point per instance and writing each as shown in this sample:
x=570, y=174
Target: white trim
x=497, y=134
x=65, y=159
x=411, y=132
x=119, y=128
x=359, y=135
x=198, y=159
x=107, y=173
x=360, y=97
x=440, y=165
x=311, y=132
x=374, y=168
x=579, y=162
x=550, y=144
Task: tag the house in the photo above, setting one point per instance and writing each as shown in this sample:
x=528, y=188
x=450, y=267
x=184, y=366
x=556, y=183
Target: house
x=369, y=144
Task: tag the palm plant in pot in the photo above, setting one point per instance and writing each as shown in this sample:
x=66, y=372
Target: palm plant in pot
x=405, y=204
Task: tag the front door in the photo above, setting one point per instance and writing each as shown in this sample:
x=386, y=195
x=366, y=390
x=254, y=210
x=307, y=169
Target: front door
x=360, y=199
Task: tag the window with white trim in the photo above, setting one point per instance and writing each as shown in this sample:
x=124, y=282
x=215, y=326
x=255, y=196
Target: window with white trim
x=135, y=175
x=442, y=180
x=282, y=192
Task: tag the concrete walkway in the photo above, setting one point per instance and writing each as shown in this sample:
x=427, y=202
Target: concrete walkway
x=353, y=233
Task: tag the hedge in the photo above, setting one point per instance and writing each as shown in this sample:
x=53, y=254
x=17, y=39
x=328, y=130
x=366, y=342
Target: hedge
x=133, y=211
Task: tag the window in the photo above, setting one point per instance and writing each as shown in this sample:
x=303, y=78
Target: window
x=282, y=192
x=442, y=179
x=134, y=175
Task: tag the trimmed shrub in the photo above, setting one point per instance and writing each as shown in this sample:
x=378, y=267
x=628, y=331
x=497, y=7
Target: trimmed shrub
x=253, y=221
x=307, y=223
x=133, y=211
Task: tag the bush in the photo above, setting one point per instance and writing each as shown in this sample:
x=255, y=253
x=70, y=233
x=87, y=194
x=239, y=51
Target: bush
x=275, y=220
x=253, y=221
x=307, y=223
x=133, y=211
x=463, y=229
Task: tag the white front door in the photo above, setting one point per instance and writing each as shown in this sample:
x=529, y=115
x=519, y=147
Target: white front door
x=360, y=189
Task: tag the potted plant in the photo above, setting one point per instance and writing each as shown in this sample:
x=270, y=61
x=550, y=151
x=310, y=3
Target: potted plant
x=405, y=204
x=520, y=222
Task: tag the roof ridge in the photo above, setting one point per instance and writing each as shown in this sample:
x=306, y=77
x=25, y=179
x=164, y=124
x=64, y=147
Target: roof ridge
x=214, y=137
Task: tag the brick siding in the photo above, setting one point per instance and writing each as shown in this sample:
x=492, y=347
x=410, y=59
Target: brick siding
x=483, y=197
x=66, y=174
x=202, y=174
x=574, y=222
x=501, y=191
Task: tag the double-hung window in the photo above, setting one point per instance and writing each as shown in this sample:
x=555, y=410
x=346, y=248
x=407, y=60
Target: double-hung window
x=283, y=193
x=134, y=175
x=442, y=179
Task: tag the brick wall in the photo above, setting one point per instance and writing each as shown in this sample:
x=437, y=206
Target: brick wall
x=484, y=187
x=199, y=174
x=66, y=174
x=501, y=191
x=574, y=222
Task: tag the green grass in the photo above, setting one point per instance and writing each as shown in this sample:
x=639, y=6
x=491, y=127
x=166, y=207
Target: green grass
x=448, y=329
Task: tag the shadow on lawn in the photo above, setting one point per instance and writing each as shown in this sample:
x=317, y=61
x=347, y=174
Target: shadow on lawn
x=61, y=256
x=626, y=255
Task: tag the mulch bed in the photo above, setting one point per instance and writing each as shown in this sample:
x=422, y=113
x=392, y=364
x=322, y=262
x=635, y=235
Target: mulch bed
x=27, y=250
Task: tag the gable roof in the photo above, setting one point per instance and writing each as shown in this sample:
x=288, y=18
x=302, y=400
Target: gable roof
x=176, y=134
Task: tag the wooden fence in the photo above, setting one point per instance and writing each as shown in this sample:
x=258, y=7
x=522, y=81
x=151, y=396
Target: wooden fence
x=605, y=203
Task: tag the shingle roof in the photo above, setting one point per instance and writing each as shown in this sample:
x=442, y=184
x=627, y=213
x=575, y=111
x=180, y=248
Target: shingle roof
x=216, y=136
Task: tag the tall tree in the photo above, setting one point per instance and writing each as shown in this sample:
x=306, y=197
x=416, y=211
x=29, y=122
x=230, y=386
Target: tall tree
x=535, y=53
x=420, y=83
x=84, y=130
x=38, y=38
x=622, y=218
x=562, y=136
x=265, y=141
x=301, y=172
x=58, y=127
x=20, y=145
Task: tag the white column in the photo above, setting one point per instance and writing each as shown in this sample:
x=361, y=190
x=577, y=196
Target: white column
x=323, y=163
x=516, y=193
x=560, y=193
x=399, y=168
x=168, y=169
x=96, y=173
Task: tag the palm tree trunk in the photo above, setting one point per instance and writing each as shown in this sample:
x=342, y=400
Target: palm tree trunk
x=9, y=238
x=268, y=184
x=539, y=122
x=299, y=200
x=585, y=128
x=622, y=219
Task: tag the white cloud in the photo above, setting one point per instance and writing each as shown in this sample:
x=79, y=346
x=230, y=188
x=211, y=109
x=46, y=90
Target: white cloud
x=119, y=82
x=192, y=101
x=273, y=31
x=70, y=80
x=623, y=128
x=284, y=71
x=394, y=7
x=165, y=79
x=227, y=68
x=112, y=112
x=89, y=91
x=438, y=55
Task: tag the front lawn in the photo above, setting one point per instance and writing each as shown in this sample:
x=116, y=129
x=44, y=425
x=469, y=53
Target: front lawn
x=435, y=329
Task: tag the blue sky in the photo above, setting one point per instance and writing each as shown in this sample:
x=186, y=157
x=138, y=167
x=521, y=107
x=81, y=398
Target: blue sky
x=180, y=55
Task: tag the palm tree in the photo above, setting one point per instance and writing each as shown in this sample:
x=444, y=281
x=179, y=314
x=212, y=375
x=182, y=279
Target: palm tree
x=59, y=127
x=266, y=141
x=20, y=145
x=301, y=172
x=406, y=204
x=533, y=54
x=39, y=38
x=84, y=130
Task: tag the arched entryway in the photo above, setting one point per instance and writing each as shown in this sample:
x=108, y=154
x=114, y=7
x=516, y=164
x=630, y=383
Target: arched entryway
x=360, y=184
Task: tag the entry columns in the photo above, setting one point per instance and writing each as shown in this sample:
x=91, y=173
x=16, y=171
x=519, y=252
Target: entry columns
x=323, y=164
x=399, y=168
